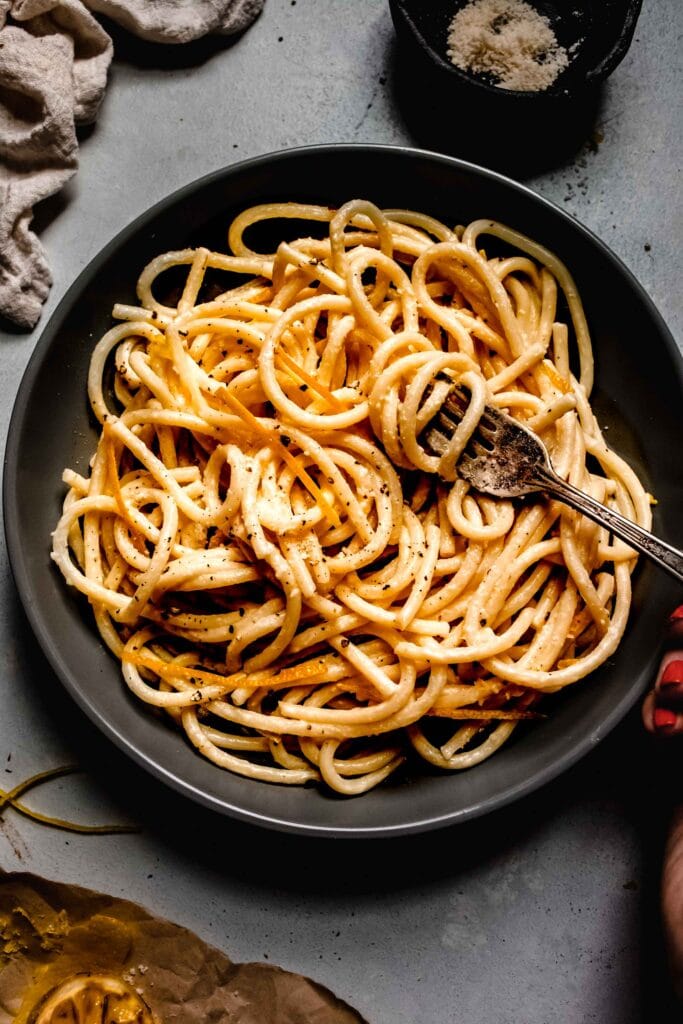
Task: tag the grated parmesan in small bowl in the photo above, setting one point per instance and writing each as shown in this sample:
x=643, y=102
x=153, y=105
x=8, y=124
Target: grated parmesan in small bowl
x=531, y=50
x=509, y=43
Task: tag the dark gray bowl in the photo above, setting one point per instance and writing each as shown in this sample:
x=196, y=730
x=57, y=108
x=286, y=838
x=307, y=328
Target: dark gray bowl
x=639, y=397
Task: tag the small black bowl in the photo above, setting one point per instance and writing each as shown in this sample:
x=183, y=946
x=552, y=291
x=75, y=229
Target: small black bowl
x=461, y=113
x=598, y=32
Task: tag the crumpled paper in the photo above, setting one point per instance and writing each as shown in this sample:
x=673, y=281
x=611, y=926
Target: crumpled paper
x=54, y=57
x=51, y=931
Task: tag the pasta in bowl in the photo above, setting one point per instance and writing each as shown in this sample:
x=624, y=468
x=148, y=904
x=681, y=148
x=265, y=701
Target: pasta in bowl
x=263, y=537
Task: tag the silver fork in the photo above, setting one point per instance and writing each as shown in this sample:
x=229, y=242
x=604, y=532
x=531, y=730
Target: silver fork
x=507, y=460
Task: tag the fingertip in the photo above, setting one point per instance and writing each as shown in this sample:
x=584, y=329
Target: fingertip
x=662, y=709
x=670, y=667
x=666, y=722
x=660, y=721
x=669, y=688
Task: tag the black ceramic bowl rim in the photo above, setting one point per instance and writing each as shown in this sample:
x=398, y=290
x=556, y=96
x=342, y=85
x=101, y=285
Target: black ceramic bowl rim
x=614, y=56
x=39, y=617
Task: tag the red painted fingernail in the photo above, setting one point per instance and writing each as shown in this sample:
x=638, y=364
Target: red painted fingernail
x=664, y=720
x=676, y=614
x=673, y=673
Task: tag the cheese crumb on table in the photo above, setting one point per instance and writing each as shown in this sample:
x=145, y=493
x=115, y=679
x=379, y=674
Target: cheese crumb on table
x=509, y=42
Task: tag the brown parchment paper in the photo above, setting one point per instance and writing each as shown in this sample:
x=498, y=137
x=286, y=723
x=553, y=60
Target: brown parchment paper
x=50, y=931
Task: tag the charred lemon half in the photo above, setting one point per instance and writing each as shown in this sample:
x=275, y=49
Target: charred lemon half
x=92, y=999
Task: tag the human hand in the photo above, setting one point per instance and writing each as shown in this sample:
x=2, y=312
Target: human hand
x=663, y=716
x=663, y=706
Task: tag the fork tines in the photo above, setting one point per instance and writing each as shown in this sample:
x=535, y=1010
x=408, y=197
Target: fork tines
x=456, y=404
x=457, y=399
x=439, y=431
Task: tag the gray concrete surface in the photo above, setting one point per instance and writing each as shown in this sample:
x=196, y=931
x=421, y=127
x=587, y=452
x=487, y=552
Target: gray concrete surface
x=543, y=913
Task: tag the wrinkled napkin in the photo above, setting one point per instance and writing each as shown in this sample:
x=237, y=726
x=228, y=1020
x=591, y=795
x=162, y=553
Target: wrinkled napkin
x=54, y=57
x=50, y=932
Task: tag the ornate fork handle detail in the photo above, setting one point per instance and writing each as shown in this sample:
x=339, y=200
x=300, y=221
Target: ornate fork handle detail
x=635, y=536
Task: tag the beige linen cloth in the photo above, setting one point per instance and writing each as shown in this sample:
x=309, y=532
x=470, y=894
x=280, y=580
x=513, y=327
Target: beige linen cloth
x=54, y=57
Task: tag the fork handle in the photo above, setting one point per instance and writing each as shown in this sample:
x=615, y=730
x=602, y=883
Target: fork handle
x=669, y=557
